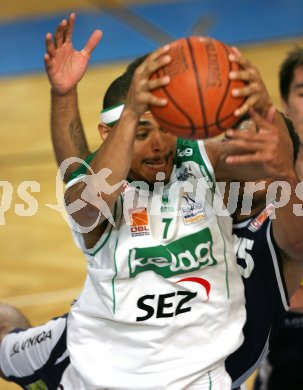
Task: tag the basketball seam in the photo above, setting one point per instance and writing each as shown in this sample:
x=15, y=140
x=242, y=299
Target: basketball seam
x=196, y=127
x=179, y=108
x=198, y=88
x=191, y=128
x=226, y=89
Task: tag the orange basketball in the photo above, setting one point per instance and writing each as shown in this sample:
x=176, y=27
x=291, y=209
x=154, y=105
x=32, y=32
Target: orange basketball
x=200, y=104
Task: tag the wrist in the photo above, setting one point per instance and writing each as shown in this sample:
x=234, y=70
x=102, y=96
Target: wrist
x=129, y=116
x=57, y=93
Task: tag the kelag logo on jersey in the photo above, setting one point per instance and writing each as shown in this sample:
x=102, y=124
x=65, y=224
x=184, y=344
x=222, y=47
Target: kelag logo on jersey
x=184, y=255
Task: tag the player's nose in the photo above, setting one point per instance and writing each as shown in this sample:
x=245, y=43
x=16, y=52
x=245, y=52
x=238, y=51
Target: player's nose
x=157, y=140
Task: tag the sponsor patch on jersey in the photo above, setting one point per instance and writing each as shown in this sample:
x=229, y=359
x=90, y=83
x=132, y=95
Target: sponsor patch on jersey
x=185, y=173
x=261, y=218
x=166, y=205
x=193, y=211
x=188, y=254
x=139, y=222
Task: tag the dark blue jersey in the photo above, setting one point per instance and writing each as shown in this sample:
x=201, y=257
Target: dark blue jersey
x=266, y=296
x=282, y=369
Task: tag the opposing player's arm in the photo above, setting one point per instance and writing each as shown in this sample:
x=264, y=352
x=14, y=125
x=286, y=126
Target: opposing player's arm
x=10, y=318
x=261, y=148
x=268, y=154
x=271, y=149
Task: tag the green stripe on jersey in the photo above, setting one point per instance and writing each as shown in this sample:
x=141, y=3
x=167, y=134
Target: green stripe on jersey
x=189, y=150
x=82, y=169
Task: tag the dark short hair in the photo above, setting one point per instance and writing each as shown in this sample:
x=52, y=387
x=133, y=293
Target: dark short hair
x=287, y=69
x=294, y=136
x=118, y=89
x=135, y=63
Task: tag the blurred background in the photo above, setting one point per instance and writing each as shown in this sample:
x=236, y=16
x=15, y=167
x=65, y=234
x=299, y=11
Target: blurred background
x=41, y=270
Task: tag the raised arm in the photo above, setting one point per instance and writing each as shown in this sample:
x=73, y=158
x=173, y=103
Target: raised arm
x=270, y=148
x=112, y=163
x=65, y=67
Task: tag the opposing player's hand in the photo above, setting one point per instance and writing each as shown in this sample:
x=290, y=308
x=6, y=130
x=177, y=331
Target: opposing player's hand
x=64, y=65
x=270, y=147
x=139, y=96
x=255, y=91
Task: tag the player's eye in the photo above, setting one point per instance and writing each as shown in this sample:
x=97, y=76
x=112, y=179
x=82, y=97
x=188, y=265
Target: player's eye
x=142, y=134
x=163, y=130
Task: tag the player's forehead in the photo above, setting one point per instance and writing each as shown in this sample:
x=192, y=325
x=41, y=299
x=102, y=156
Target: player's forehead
x=147, y=118
x=297, y=82
x=111, y=115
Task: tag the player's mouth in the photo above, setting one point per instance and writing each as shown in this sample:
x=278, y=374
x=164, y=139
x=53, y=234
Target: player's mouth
x=158, y=163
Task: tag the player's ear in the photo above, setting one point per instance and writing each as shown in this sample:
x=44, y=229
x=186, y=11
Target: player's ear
x=103, y=130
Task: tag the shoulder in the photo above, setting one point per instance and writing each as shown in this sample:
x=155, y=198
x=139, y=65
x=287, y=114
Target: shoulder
x=81, y=170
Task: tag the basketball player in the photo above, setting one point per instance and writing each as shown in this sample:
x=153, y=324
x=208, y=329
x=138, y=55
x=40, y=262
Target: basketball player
x=39, y=356
x=137, y=95
x=282, y=369
x=156, y=309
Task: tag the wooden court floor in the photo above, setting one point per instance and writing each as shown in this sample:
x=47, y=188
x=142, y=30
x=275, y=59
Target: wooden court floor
x=41, y=269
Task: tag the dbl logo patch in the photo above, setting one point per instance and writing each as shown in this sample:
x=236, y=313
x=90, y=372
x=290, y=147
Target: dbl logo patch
x=139, y=222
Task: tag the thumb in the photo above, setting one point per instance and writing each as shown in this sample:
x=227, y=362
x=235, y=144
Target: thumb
x=261, y=122
x=270, y=114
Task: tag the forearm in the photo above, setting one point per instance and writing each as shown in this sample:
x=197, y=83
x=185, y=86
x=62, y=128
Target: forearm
x=116, y=152
x=67, y=132
x=288, y=226
x=108, y=170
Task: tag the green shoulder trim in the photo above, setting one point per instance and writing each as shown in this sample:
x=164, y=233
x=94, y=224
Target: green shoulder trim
x=82, y=169
x=189, y=150
x=115, y=261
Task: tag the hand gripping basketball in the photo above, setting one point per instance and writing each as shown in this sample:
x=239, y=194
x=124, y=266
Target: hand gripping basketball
x=200, y=104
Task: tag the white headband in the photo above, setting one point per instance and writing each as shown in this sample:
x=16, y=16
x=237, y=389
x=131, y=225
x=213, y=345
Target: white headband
x=111, y=115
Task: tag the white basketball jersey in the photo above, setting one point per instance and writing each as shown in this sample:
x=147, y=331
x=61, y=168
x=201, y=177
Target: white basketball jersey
x=163, y=302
